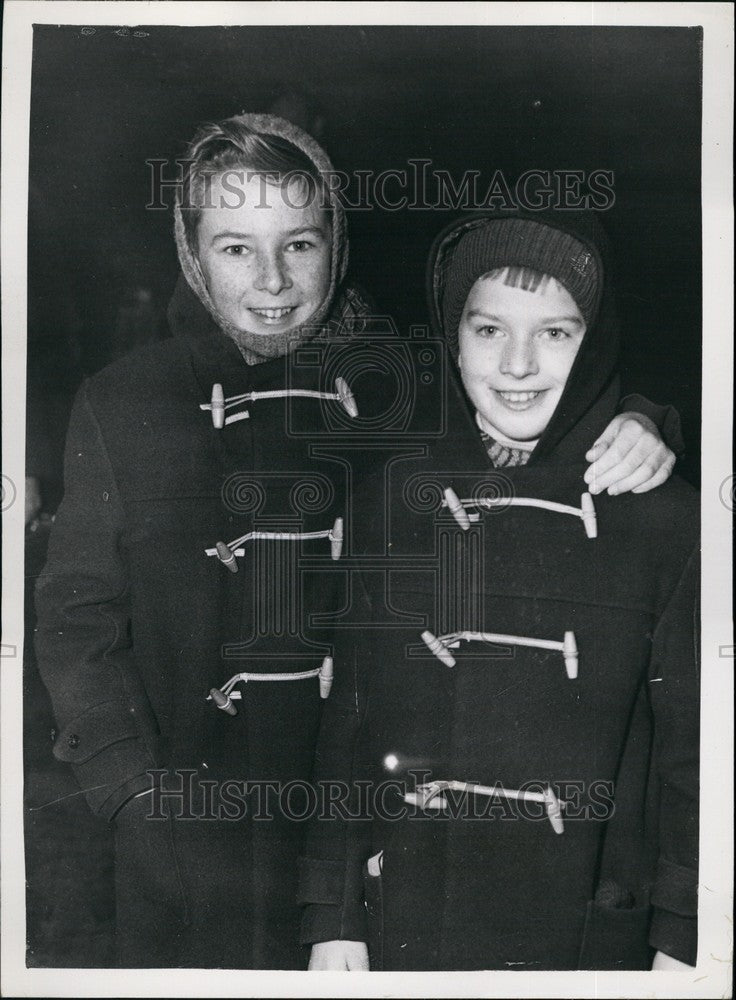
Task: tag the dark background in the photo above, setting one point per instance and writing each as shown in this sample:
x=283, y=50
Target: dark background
x=102, y=266
x=624, y=99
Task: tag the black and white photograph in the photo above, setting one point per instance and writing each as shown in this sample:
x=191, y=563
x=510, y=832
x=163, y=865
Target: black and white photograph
x=367, y=493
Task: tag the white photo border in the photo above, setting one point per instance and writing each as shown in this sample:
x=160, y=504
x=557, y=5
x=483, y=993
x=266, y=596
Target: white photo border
x=712, y=975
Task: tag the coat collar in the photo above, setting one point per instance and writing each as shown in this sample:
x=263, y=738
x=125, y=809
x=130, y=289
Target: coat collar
x=216, y=358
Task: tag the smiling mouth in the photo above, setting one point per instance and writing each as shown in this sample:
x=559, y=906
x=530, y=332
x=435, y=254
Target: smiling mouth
x=273, y=315
x=519, y=400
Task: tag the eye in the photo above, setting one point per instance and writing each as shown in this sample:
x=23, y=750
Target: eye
x=236, y=250
x=555, y=333
x=299, y=246
x=487, y=331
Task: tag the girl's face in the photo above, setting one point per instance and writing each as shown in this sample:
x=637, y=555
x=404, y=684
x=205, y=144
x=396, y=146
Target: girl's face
x=516, y=351
x=265, y=259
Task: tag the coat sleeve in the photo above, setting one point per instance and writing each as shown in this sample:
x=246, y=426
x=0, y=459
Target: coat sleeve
x=83, y=638
x=674, y=685
x=667, y=419
x=338, y=840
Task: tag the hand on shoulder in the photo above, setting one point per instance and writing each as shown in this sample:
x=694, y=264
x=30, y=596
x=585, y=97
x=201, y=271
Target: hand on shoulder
x=630, y=455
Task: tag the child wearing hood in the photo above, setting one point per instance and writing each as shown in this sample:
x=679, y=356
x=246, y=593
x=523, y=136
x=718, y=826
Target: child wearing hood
x=156, y=595
x=530, y=730
x=158, y=606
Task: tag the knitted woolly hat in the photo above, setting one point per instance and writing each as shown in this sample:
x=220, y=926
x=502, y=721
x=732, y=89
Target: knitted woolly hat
x=517, y=243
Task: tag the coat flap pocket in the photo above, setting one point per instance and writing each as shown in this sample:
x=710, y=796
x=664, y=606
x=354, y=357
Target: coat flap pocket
x=320, y=881
x=676, y=889
x=95, y=730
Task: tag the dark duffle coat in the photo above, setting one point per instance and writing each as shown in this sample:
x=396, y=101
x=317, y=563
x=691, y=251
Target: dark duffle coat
x=136, y=624
x=487, y=883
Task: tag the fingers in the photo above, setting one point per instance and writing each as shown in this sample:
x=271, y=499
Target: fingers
x=327, y=956
x=320, y=962
x=631, y=425
x=640, y=469
x=633, y=457
x=357, y=957
x=658, y=478
x=607, y=438
x=339, y=956
x=630, y=446
x=646, y=477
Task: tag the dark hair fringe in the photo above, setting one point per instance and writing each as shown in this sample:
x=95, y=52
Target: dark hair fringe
x=516, y=276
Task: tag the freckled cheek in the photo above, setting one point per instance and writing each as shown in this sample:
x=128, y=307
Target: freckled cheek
x=313, y=278
x=228, y=285
x=228, y=289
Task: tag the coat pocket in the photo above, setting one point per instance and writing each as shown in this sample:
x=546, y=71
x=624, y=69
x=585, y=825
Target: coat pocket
x=615, y=938
x=373, y=890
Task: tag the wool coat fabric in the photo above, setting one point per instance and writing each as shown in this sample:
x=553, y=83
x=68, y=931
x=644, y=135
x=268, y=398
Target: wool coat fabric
x=486, y=882
x=137, y=623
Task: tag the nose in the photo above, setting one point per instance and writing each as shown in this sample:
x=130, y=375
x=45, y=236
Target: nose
x=519, y=358
x=272, y=274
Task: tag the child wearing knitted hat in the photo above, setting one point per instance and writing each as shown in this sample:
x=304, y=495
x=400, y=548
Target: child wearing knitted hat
x=474, y=878
x=518, y=303
x=497, y=261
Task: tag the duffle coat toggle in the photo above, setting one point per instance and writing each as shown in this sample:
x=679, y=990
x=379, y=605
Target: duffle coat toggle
x=456, y=506
x=429, y=796
x=441, y=645
x=219, y=404
x=223, y=697
x=226, y=552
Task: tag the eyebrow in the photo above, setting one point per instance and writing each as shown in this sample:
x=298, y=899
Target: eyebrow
x=229, y=235
x=479, y=314
x=574, y=320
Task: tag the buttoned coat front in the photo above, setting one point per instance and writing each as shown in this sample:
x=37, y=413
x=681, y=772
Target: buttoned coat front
x=486, y=882
x=137, y=624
